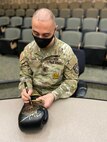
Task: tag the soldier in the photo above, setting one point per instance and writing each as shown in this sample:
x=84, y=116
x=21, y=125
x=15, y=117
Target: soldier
x=47, y=64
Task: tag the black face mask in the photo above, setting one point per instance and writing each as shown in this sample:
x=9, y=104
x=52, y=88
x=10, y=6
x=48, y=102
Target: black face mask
x=42, y=42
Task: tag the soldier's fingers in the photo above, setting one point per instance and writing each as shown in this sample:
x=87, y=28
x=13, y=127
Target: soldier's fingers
x=26, y=102
x=25, y=98
x=39, y=98
x=30, y=91
x=25, y=94
x=24, y=91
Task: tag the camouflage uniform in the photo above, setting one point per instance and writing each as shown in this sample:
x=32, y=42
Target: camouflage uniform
x=53, y=69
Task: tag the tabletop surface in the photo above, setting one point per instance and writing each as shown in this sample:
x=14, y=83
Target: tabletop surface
x=70, y=120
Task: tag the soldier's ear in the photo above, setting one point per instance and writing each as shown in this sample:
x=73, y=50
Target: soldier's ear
x=56, y=28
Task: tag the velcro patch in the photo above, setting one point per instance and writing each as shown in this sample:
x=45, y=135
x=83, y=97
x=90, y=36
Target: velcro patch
x=55, y=75
x=76, y=69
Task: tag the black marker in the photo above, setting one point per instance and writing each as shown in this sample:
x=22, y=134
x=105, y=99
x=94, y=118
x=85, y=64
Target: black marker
x=30, y=101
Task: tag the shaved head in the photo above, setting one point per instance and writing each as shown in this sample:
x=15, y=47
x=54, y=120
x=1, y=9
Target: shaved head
x=44, y=14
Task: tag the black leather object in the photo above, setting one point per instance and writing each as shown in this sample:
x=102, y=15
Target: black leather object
x=32, y=116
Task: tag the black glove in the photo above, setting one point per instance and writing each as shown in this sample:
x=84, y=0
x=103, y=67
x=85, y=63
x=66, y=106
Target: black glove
x=32, y=116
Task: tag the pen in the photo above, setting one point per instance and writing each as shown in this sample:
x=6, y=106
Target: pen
x=30, y=101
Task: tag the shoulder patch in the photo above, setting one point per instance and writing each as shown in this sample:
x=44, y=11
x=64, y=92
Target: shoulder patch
x=76, y=68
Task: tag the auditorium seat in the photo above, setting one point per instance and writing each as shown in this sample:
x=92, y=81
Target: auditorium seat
x=74, y=4
x=27, y=22
x=62, y=5
x=6, y=6
x=29, y=12
x=103, y=25
x=89, y=25
x=65, y=13
x=86, y=5
x=15, y=6
x=92, y=13
x=73, y=24
x=2, y=12
x=32, y=6
x=26, y=37
x=99, y=4
x=10, y=12
x=4, y=22
x=20, y=12
x=55, y=12
x=16, y=21
x=52, y=5
x=78, y=13
x=103, y=13
x=23, y=5
x=95, y=40
x=72, y=38
x=60, y=22
x=8, y=44
x=42, y=5
x=95, y=47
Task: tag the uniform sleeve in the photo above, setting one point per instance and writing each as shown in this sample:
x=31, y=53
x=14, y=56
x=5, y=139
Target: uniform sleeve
x=25, y=71
x=71, y=71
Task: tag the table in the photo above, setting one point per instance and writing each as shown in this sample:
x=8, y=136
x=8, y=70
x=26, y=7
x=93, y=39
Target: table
x=70, y=120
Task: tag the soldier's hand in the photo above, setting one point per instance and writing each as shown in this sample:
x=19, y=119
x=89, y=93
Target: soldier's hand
x=47, y=99
x=26, y=95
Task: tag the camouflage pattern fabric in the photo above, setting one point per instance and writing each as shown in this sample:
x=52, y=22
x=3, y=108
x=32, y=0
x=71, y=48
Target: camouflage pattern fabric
x=53, y=69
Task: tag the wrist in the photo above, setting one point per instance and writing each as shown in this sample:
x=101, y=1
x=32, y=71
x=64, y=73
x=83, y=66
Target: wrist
x=54, y=95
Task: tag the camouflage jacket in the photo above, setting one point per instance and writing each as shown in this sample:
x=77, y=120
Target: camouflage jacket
x=51, y=70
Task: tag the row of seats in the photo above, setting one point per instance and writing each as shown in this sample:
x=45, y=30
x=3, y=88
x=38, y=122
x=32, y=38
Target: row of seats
x=60, y=5
x=80, y=13
x=18, y=12
x=84, y=25
x=73, y=38
x=76, y=24
x=64, y=12
x=15, y=21
x=11, y=39
x=93, y=43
